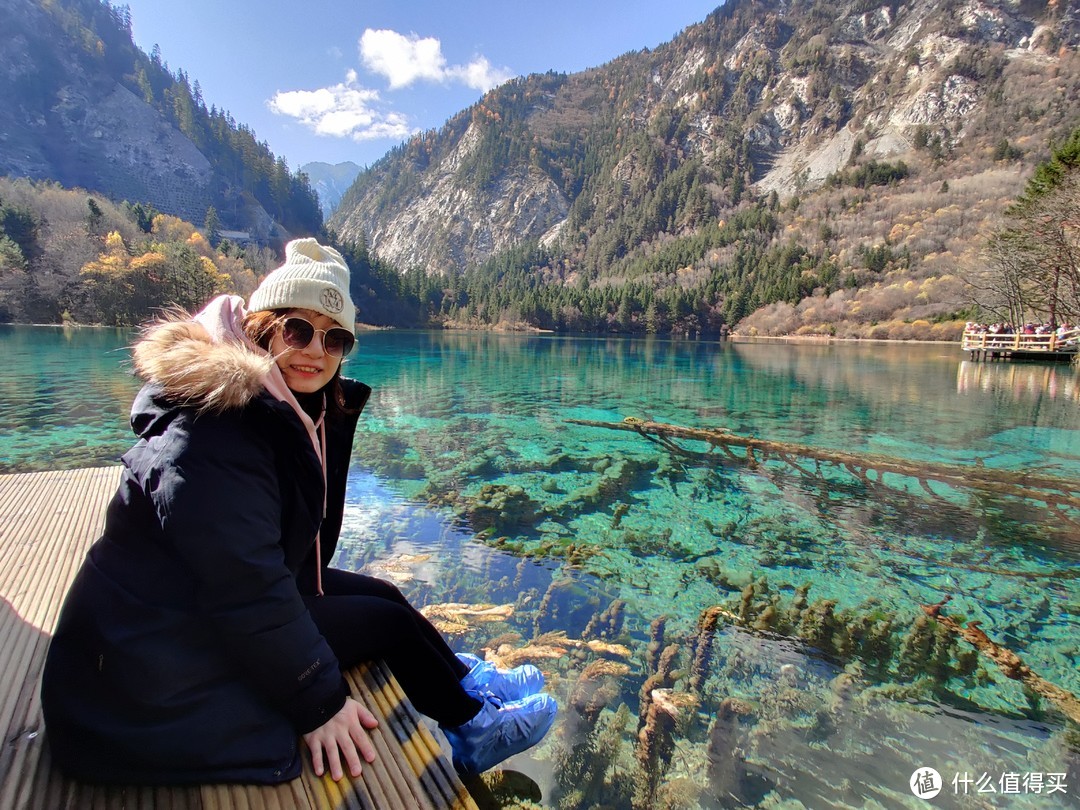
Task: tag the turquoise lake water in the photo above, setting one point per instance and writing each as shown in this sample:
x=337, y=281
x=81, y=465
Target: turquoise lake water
x=604, y=549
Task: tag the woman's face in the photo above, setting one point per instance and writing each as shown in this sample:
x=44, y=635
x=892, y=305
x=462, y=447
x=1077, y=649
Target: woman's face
x=308, y=369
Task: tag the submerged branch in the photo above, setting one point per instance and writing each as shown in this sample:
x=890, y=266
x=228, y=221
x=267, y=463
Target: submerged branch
x=1048, y=489
x=1008, y=662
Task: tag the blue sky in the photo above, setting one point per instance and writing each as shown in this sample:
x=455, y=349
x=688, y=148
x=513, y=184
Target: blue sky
x=336, y=80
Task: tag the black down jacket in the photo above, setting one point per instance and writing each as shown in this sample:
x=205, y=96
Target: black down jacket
x=184, y=652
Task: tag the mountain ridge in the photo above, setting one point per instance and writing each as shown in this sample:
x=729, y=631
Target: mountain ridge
x=81, y=105
x=764, y=99
x=330, y=181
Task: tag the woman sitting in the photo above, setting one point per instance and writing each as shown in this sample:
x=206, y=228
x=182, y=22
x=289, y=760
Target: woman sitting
x=205, y=635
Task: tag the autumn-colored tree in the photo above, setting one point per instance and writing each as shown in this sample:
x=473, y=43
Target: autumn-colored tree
x=171, y=229
x=121, y=289
x=115, y=289
x=189, y=279
x=200, y=245
x=235, y=275
x=1033, y=262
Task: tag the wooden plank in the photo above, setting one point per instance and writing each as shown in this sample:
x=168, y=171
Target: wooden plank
x=400, y=779
x=453, y=790
x=47, y=522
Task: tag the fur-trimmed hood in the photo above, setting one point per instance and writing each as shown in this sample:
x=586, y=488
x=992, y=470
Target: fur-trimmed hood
x=190, y=367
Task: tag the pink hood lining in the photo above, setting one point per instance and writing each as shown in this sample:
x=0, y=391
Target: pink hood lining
x=223, y=320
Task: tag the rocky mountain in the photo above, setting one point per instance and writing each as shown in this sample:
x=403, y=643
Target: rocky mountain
x=81, y=105
x=330, y=181
x=903, y=127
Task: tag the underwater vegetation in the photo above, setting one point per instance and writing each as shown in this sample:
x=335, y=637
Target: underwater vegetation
x=745, y=633
x=744, y=659
x=763, y=702
x=718, y=633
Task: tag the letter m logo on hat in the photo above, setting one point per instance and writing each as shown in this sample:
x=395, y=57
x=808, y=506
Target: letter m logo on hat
x=332, y=300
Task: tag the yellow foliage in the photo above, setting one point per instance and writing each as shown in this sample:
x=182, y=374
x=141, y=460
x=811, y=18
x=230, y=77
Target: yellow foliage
x=240, y=279
x=243, y=281
x=114, y=262
x=114, y=242
x=209, y=267
x=171, y=229
x=200, y=245
x=104, y=266
x=149, y=262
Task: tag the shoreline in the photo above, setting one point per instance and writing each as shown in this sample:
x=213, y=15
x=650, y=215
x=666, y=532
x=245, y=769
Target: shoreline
x=826, y=339
x=514, y=330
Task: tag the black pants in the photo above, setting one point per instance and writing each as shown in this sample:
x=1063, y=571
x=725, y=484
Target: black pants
x=363, y=618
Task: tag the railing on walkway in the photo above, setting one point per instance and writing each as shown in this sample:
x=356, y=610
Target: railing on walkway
x=996, y=344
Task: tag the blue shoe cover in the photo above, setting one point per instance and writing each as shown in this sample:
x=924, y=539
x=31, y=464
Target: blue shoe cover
x=506, y=684
x=499, y=731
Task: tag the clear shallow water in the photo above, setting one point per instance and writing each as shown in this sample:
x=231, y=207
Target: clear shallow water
x=65, y=395
x=469, y=486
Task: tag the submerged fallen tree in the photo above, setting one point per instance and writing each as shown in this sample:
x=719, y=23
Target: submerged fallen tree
x=1057, y=493
x=1007, y=661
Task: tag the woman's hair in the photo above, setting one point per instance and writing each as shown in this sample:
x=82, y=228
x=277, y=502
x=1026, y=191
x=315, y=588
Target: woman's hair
x=260, y=327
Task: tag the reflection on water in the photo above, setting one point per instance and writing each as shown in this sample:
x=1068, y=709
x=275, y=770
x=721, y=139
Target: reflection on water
x=1018, y=381
x=717, y=634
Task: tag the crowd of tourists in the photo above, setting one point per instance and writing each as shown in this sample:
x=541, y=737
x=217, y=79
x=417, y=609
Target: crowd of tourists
x=1061, y=331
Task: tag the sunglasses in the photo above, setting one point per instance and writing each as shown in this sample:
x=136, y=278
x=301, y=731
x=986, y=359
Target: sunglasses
x=298, y=333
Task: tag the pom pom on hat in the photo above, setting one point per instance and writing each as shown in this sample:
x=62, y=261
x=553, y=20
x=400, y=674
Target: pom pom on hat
x=313, y=277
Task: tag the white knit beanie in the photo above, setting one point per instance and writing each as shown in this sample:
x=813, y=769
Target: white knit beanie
x=313, y=277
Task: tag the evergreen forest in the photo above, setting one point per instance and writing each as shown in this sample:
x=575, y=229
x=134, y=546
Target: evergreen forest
x=244, y=167
x=664, y=228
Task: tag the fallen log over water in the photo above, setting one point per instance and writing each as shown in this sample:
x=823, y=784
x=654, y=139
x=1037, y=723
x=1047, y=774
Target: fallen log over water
x=1058, y=493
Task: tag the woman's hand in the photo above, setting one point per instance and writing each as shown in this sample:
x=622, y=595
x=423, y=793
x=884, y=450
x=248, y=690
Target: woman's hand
x=345, y=732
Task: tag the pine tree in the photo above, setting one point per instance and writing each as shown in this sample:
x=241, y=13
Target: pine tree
x=212, y=225
x=94, y=217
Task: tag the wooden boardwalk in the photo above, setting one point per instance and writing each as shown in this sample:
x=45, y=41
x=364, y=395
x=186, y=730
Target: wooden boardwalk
x=988, y=346
x=47, y=521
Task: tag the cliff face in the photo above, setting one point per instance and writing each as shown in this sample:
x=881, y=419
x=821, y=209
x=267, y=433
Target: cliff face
x=453, y=224
x=75, y=108
x=62, y=118
x=917, y=66
x=763, y=96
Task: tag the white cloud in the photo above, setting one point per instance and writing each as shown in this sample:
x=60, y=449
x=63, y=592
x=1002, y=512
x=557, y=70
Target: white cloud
x=480, y=75
x=404, y=60
x=344, y=110
x=350, y=110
